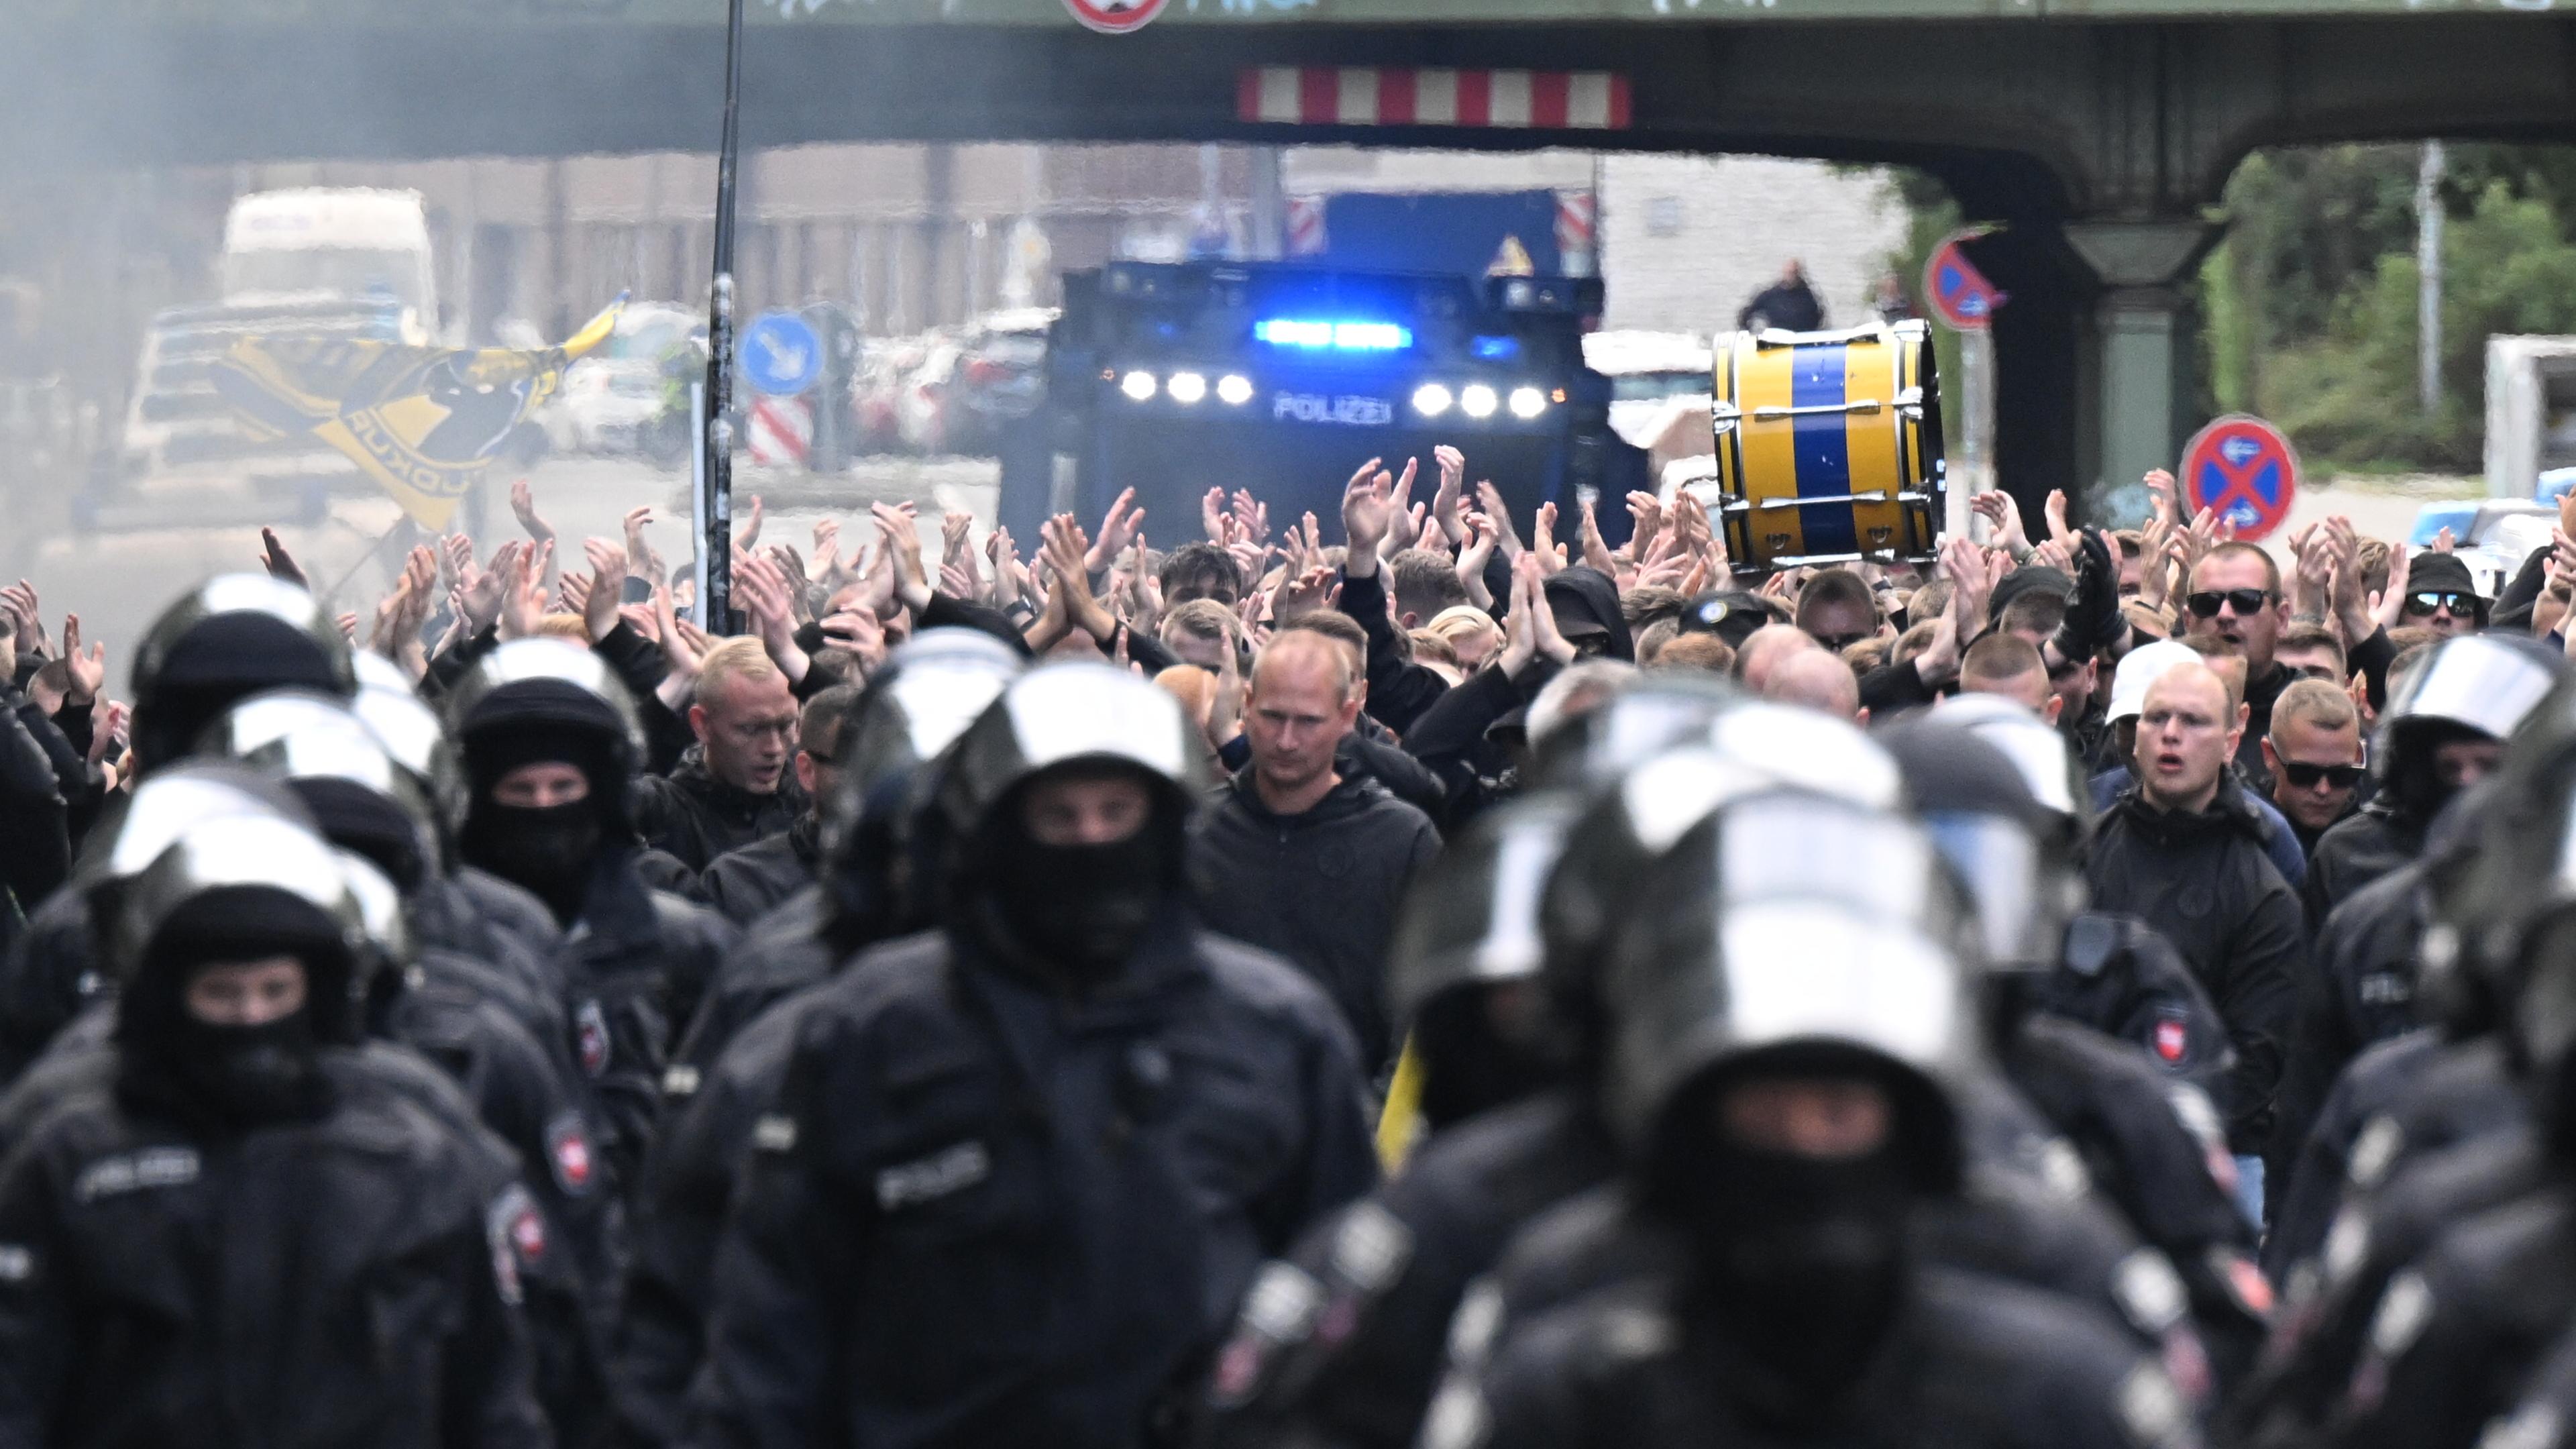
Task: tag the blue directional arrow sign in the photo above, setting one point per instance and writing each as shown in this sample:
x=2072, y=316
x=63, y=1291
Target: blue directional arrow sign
x=780, y=354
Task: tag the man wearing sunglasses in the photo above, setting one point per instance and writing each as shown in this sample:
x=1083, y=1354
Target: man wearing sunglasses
x=2314, y=752
x=2441, y=596
x=2235, y=596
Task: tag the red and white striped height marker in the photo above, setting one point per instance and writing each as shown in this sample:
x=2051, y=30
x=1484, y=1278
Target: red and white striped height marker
x=1381, y=95
x=1306, y=236
x=782, y=429
x=1577, y=223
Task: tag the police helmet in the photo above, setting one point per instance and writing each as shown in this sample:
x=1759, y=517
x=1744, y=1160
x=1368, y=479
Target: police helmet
x=1749, y=746
x=413, y=735
x=2008, y=849
x=341, y=769
x=230, y=636
x=1061, y=715
x=236, y=888
x=1797, y=933
x=548, y=699
x=1471, y=915
x=2052, y=775
x=1648, y=713
x=874, y=839
x=2470, y=686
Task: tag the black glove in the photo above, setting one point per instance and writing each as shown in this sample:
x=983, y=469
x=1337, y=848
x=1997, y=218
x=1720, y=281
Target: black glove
x=2093, y=618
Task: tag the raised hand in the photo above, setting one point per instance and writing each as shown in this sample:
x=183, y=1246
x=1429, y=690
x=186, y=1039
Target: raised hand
x=900, y=536
x=1251, y=517
x=1368, y=511
x=1507, y=539
x=523, y=592
x=1403, y=524
x=1551, y=554
x=523, y=502
x=1447, y=502
x=280, y=564
x=749, y=534
x=1473, y=558
x=2004, y=516
x=1116, y=531
x=2054, y=511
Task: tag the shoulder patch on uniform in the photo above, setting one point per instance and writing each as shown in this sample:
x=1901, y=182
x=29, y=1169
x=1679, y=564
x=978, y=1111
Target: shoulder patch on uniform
x=568, y=1153
x=17, y=1262
x=134, y=1171
x=1371, y=1247
x=679, y=1079
x=2152, y=1411
x=2149, y=1291
x=590, y=1034
x=2533, y=1426
x=944, y=1173
x=510, y=1227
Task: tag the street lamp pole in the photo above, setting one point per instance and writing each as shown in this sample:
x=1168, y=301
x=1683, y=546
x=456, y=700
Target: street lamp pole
x=715, y=439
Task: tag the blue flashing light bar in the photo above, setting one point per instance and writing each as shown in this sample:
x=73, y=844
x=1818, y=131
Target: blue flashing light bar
x=1334, y=336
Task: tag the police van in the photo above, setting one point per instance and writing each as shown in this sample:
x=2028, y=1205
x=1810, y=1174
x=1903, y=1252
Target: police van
x=1174, y=378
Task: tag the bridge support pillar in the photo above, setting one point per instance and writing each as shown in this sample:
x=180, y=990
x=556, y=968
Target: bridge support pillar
x=2142, y=359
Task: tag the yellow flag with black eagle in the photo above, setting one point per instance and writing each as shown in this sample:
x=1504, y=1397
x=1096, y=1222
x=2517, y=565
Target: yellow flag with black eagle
x=423, y=422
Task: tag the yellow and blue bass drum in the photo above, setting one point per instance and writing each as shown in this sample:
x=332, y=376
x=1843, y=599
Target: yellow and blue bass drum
x=1829, y=446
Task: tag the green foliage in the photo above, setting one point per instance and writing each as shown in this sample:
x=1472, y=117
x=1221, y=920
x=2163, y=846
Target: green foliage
x=2349, y=395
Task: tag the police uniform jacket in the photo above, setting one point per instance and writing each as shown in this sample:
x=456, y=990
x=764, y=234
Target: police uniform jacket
x=1341, y=1341
x=350, y=1280
x=986, y=1212
x=1968, y=1363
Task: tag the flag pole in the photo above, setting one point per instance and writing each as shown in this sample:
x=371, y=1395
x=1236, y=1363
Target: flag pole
x=715, y=440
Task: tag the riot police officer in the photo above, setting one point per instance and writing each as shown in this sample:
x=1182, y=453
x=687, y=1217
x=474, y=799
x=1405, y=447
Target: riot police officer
x=257, y=1233
x=1022, y=1167
x=2443, y=730
x=728, y=1071
x=2457, y=1179
x=1340, y=1341
x=1778, y=1078
x=2150, y=1143
x=228, y=638
x=497, y=1033
x=551, y=740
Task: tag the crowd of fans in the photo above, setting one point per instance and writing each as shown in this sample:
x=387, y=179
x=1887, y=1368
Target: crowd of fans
x=1465, y=983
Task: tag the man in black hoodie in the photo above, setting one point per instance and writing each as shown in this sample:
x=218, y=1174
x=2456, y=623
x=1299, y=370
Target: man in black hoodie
x=734, y=786
x=1299, y=859
x=2183, y=848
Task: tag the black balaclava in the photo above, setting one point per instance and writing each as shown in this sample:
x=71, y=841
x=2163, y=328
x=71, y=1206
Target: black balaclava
x=1801, y=1262
x=232, y=1078
x=1079, y=910
x=2412, y=784
x=551, y=850
x=224, y=660
x=1481, y=1048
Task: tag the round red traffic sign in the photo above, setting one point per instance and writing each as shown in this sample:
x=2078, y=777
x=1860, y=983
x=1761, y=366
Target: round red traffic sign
x=1954, y=289
x=1115, y=17
x=2246, y=470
